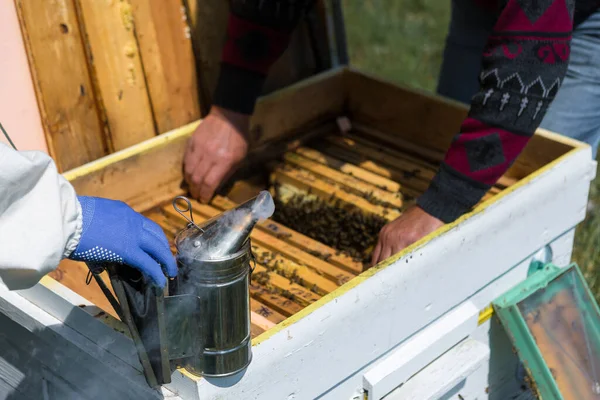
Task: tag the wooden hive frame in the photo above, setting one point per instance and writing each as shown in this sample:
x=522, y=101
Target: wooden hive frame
x=149, y=175
x=125, y=71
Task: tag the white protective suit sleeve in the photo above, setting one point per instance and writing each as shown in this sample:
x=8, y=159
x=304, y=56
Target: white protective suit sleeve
x=40, y=217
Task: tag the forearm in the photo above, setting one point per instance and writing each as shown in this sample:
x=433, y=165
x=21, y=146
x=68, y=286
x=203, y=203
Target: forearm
x=523, y=66
x=40, y=217
x=258, y=32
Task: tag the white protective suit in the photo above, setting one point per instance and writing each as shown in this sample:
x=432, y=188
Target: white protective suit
x=40, y=217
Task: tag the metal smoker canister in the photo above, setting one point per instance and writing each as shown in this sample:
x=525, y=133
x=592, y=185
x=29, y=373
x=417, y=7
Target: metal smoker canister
x=223, y=310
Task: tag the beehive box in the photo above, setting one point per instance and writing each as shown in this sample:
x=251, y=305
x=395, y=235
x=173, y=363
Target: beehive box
x=323, y=323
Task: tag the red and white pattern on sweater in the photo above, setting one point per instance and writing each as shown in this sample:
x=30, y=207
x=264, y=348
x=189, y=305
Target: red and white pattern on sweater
x=524, y=63
x=484, y=153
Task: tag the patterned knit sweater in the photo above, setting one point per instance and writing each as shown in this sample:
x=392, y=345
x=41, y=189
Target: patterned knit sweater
x=523, y=65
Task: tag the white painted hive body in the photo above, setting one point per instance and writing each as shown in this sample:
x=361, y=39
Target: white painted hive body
x=415, y=327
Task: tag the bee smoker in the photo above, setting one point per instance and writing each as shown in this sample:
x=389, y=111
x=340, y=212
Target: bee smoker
x=214, y=261
x=203, y=324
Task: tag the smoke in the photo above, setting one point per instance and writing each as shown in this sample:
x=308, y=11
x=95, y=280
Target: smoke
x=263, y=206
x=224, y=234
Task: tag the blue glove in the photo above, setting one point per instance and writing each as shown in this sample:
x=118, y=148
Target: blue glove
x=114, y=232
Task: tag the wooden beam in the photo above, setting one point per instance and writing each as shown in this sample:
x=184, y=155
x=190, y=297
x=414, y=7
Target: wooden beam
x=172, y=223
x=142, y=176
x=350, y=183
x=300, y=107
x=263, y=323
x=208, y=22
x=265, y=311
x=401, y=170
x=64, y=89
x=331, y=272
x=299, y=240
x=292, y=270
x=115, y=62
x=350, y=169
x=299, y=294
x=169, y=221
x=403, y=150
x=277, y=302
x=308, y=182
x=165, y=44
x=258, y=289
x=255, y=330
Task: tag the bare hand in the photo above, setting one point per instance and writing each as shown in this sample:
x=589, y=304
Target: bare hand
x=408, y=228
x=215, y=149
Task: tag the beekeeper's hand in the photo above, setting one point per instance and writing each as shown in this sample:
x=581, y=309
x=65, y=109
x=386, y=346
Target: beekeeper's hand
x=113, y=232
x=214, y=151
x=405, y=230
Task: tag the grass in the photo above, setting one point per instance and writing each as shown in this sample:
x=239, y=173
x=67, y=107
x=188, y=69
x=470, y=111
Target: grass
x=403, y=40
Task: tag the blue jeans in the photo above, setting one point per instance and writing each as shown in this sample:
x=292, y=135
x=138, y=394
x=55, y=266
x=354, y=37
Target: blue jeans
x=575, y=111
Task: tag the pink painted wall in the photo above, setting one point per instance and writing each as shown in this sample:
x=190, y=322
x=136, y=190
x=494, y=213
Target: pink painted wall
x=19, y=113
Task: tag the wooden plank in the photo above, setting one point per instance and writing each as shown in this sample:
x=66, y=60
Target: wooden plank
x=331, y=272
x=260, y=321
x=350, y=169
x=265, y=311
x=401, y=170
x=412, y=160
x=310, y=183
x=350, y=183
x=299, y=107
x=278, y=303
x=165, y=45
x=288, y=268
x=138, y=173
x=117, y=70
x=64, y=89
x=435, y=157
x=142, y=176
x=301, y=241
x=414, y=178
x=299, y=294
x=255, y=330
x=410, y=163
x=245, y=189
x=170, y=222
x=383, y=106
x=411, y=185
x=310, y=278
x=208, y=22
x=273, y=301
x=419, y=118
x=426, y=154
